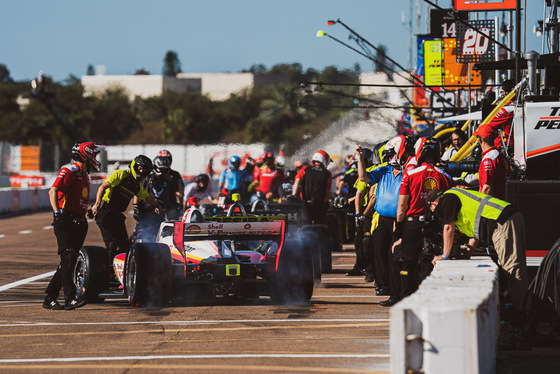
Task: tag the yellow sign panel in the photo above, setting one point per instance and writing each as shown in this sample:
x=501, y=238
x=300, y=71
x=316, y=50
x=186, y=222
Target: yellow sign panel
x=458, y=73
x=433, y=62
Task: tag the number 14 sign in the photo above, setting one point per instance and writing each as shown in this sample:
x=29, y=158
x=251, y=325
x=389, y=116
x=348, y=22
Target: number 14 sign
x=472, y=46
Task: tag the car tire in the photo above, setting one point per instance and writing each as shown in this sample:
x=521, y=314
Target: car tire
x=148, y=272
x=322, y=242
x=91, y=275
x=294, y=277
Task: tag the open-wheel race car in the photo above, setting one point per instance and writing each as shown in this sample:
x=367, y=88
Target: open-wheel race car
x=235, y=255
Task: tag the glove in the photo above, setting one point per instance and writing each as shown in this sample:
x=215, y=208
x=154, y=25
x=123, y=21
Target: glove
x=136, y=212
x=58, y=221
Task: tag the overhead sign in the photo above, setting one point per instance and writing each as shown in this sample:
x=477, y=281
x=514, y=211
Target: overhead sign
x=472, y=46
x=433, y=62
x=483, y=5
x=443, y=25
x=458, y=73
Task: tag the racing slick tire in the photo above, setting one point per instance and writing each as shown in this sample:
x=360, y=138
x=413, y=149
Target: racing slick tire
x=91, y=275
x=148, y=273
x=335, y=222
x=320, y=239
x=294, y=278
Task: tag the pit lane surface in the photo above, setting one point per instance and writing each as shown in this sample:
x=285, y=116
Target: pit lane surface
x=342, y=330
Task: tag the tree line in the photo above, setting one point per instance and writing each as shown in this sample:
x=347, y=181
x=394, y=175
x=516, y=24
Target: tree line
x=278, y=114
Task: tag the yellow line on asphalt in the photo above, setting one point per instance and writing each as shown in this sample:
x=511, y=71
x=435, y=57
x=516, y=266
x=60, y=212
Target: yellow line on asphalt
x=244, y=368
x=349, y=325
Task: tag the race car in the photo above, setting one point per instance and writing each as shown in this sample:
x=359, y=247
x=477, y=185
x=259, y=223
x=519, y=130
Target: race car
x=235, y=255
x=323, y=237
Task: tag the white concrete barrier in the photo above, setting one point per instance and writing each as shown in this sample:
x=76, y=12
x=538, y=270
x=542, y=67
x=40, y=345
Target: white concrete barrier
x=16, y=200
x=450, y=325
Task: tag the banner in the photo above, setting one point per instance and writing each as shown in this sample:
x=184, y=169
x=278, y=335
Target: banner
x=433, y=62
x=483, y=5
x=472, y=46
x=458, y=73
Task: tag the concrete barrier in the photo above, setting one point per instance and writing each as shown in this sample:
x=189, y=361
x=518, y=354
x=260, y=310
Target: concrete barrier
x=450, y=325
x=24, y=200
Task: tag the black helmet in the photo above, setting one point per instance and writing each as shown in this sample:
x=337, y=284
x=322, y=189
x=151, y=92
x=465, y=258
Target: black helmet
x=202, y=178
x=291, y=176
x=161, y=165
x=368, y=157
x=167, y=154
x=476, y=153
x=427, y=148
x=146, y=165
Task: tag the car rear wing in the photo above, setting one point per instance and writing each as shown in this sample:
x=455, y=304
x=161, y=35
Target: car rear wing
x=266, y=230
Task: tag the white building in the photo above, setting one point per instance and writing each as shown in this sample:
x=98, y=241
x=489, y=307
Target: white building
x=139, y=85
x=219, y=86
x=389, y=94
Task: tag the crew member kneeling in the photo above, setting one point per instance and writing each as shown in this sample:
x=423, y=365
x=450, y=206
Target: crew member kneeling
x=481, y=216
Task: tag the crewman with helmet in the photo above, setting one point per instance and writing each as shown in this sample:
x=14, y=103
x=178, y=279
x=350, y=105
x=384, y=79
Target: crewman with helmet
x=388, y=178
x=113, y=197
x=362, y=237
x=415, y=186
x=315, y=182
x=231, y=178
x=160, y=188
x=199, y=189
x=69, y=198
x=174, y=205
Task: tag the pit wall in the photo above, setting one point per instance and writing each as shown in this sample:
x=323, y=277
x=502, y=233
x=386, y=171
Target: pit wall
x=23, y=200
x=450, y=325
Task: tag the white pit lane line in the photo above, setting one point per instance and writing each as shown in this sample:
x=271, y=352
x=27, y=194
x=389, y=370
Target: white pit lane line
x=25, y=281
x=168, y=357
x=190, y=323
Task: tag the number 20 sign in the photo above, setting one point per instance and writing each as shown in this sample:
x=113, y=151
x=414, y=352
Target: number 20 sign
x=472, y=46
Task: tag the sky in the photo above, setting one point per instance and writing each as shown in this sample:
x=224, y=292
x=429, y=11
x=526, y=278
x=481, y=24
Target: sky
x=63, y=37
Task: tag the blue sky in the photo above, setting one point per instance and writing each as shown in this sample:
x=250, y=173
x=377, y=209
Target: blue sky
x=63, y=37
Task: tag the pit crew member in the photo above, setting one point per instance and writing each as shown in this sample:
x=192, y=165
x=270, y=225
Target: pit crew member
x=113, y=197
x=315, y=182
x=498, y=222
x=410, y=215
x=69, y=198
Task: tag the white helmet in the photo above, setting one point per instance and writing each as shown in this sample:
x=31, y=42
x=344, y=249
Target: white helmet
x=322, y=157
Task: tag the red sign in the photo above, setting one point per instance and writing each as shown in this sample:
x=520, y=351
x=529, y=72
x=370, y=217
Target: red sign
x=483, y=5
x=26, y=181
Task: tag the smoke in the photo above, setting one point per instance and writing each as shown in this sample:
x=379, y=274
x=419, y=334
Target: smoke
x=340, y=137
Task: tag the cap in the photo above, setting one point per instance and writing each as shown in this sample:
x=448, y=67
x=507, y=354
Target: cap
x=433, y=195
x=485, y=131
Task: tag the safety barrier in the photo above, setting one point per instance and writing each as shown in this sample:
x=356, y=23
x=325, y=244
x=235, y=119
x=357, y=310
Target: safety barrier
x=450, y=325
x=22, y=200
